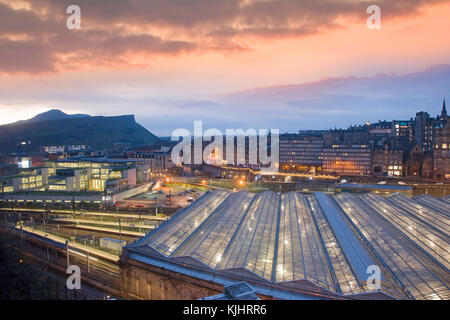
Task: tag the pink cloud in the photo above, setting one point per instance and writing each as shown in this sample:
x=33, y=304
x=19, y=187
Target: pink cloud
x=116, y=31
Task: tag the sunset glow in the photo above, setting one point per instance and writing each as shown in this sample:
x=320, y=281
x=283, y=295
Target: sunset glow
x=161, y=59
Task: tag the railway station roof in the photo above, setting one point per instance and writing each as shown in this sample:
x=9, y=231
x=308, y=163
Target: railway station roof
x=327, y=241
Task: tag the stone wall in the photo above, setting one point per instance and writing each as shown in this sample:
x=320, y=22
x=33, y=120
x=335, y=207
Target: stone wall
x=151, y=283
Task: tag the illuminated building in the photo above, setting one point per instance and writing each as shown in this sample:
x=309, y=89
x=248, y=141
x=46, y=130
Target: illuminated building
x=69, y=180
x=96, y=174
x=159, y=162
x=300, y=153
x=423, y=134
x=347, y=160
x=426, y=128
x=387, y=162
x=403, y=131
x=77, y=148
x=52, y=149
x=62, y=149
x=414, y=160
x=442, y=154
x=28, y=179
x=81, y=174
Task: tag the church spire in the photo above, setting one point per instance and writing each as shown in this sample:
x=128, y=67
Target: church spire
x=444, y=111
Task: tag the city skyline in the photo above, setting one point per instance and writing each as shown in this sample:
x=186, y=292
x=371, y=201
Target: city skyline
x=263, y=64
x=352, y=125
x=236, y=150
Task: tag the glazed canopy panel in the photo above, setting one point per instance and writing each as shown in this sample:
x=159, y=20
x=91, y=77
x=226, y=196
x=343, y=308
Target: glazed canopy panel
x=439, y=205
x=301, y=254
x=408, y=263
x=253, y=248
x=424, y=227
x=172, y=235
x=209, y=243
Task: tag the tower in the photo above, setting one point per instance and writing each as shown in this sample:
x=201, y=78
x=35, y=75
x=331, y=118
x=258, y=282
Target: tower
x=422, y=130
x=444, y=112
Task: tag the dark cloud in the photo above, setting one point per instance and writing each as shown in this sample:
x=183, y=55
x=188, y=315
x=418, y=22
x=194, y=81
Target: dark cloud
x=336, y=101
x=29, y=56
x=191, y=13
x=111, y=29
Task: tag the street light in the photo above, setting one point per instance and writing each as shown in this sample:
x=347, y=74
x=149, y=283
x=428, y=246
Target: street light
x=105, y=198
x=120, y=229
x=139, y=221
x=3, y=192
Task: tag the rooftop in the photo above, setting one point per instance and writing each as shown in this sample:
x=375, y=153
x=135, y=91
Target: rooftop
x=237, y=291
x=374, y=186
x=295, y=241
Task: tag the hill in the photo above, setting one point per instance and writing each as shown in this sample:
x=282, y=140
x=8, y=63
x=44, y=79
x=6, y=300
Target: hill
x=53, y=114
x=97, y=132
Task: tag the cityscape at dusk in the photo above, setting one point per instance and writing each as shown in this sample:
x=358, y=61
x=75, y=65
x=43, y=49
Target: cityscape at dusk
x=278, y=64
x=224, y=150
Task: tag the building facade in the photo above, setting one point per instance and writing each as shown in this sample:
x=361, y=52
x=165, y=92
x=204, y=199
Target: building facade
x=387, y=162
x=159, y=163
x=442, y=154
x=347, y=160
x=300, y=153
x=80, y=175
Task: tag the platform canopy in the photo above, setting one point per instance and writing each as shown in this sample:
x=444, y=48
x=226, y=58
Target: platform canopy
x=327, y=241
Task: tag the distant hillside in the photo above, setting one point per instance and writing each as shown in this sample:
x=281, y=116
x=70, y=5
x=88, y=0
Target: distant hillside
x=53, y=114
x=97, y=132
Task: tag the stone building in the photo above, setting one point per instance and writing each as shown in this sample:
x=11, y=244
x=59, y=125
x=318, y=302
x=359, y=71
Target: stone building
x=413, y=161
x=442, y=154
x=427, y=166
x=387, y=162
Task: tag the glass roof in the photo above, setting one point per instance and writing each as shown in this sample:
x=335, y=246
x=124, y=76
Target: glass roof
x=420, y=224
x=446, y=199
x=253, y=247
x=326, y=240
x=171, y=235
x=407, y=264
x=210, y=242
x=300, y=251
x=439, y=205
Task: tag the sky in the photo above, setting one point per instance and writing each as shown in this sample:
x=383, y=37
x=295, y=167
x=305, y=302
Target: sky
x=283, y=64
